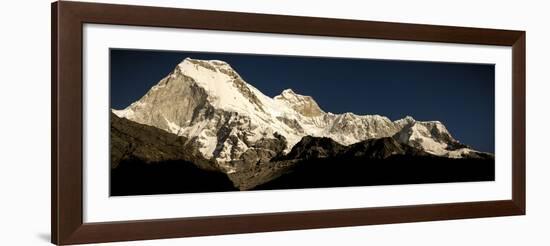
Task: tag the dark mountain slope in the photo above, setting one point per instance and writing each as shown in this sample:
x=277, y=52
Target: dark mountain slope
x=146, y=160
x=381, y=161
x=135, y=177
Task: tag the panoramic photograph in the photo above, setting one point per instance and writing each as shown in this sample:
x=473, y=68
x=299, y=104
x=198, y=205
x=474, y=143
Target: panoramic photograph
x=189, y=122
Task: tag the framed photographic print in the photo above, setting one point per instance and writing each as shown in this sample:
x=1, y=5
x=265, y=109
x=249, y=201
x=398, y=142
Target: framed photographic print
x=174, y=122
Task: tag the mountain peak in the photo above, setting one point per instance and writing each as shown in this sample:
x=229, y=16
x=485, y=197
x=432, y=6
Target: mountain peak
x=288, y=92
x=213, y=62
x=407, y=121
x=305, y=105
x=213, y=65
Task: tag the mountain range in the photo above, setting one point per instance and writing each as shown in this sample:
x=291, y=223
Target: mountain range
x=204, y=113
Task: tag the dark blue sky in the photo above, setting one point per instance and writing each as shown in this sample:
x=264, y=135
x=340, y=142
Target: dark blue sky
x=460, y=95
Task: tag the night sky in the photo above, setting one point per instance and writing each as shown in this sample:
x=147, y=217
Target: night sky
x=460, y=95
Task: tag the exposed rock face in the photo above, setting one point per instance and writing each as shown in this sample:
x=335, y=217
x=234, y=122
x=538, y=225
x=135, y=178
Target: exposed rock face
x=223, y=123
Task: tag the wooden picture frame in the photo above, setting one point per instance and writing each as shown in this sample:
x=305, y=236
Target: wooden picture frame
x=67, y=122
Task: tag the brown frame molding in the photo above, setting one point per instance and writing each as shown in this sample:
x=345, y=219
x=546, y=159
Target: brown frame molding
x=66, y=217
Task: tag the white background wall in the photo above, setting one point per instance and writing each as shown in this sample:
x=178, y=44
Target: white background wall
x=25, y=122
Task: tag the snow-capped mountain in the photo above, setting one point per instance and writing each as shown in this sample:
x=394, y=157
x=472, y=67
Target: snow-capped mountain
x=231, y=122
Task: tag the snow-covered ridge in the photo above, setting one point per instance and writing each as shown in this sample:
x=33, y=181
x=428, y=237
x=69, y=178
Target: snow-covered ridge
x=209, y=103
x=305, y=105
